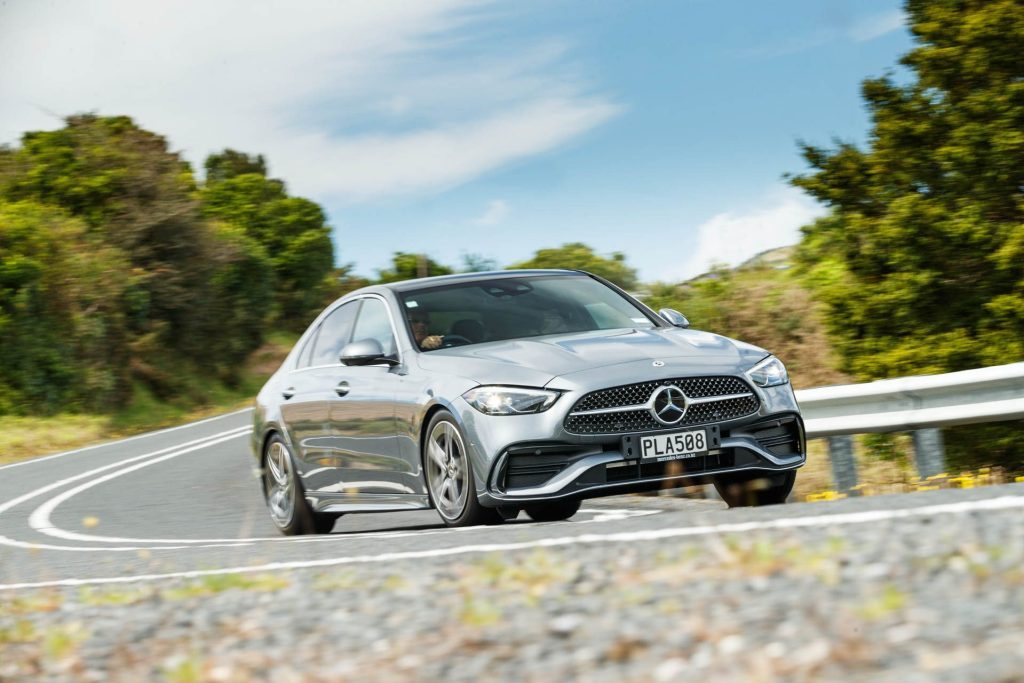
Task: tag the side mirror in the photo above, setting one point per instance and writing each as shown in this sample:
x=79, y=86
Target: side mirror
x=364, y=352
x=674, y=317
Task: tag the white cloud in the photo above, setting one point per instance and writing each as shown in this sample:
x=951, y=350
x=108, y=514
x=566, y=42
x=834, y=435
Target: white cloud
x=877, y=25
x=496, y=212
x=842, y=28
x=363, y=167
x=730, y=238
x=349, y=101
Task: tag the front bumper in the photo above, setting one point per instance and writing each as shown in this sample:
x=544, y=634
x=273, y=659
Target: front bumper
x=533, y=472
x=526, y=459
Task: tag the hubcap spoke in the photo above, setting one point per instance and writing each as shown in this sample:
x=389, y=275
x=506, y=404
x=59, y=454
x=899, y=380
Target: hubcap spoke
x=272, y=465
x=447, y=442
x=436, y=454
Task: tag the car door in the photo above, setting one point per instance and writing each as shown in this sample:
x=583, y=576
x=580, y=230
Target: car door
x=363, y=414
x=308, y=393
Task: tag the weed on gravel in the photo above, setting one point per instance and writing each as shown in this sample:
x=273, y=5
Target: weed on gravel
x=906, y=600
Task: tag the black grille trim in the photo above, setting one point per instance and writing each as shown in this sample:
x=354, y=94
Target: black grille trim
x=534, y=464
x=641, y=420
x=780, y=436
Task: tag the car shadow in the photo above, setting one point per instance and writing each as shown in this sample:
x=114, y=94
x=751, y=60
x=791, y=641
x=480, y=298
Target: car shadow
x=367, y=527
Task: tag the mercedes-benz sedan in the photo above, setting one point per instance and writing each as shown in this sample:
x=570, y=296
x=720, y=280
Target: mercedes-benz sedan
x=482, y=395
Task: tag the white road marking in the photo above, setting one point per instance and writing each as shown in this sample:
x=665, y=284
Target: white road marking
x=41, y=524
x=32, y=461
x=839, y=519
x=40, y=519
x=599, y=516
x=4, y=507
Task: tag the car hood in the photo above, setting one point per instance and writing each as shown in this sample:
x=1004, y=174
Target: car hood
x=576, y=358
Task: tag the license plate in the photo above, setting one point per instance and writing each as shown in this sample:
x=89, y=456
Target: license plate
x=674, y=445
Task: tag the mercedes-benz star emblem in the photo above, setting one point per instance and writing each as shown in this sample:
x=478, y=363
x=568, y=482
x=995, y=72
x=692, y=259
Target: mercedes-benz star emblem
x=669, y=405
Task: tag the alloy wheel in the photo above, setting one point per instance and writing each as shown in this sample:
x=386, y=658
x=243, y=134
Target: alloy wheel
x=447, y=469
x=280, y=484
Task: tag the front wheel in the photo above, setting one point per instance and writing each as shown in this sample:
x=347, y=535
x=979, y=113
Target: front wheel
x=553, y=512
x=753, y=489
x=449, y=472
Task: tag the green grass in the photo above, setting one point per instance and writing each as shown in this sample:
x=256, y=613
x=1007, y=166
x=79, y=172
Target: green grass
x=28, y=437
x=889, y=601
x=25, y=437
x=31, y=436
x=218, y=583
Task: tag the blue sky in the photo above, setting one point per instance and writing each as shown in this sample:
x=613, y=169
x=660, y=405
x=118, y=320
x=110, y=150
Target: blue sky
x=660, y=129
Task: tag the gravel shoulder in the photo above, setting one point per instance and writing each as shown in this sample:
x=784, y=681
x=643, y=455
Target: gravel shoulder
x=908, y=599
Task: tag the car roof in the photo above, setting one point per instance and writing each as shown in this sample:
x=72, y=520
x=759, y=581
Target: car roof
x=426, y=282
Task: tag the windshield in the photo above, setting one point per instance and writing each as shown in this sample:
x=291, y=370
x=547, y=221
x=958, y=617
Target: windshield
x=515, y=308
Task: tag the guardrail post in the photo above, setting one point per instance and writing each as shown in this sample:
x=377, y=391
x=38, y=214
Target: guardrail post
x=929, y=453
x=844, y=468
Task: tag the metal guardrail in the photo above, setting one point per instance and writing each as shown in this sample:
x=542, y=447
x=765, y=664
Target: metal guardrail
x=909, y=403
x=919, y=404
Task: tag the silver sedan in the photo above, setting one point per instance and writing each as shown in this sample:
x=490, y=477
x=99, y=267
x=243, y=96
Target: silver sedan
x=484, y=394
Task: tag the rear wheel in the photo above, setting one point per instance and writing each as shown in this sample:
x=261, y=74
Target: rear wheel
x=553, y=512
x=752, y=489
x=450, y=480
x=286, y=498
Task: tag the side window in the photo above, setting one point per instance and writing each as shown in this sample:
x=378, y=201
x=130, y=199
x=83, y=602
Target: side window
x=374, y=323
x=306, y=357
x=335, y=332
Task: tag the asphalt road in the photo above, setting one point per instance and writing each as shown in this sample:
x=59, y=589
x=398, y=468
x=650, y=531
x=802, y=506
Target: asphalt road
x=186, y=500
x=179, y=505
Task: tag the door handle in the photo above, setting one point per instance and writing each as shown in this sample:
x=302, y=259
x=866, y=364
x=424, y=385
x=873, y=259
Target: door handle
x=342, y=389
x=288, y=393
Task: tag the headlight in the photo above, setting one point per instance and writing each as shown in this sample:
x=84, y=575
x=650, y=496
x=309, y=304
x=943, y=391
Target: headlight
x=769, y=373
x=510, y=400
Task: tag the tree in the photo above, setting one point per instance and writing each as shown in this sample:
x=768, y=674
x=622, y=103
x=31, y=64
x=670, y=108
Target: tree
x=920, y=262
x=406, y=266
x=292, y=231
x=477, y=263
x=133, y=194
x=578, y=256
x=241, y=284
x=64, y=298
x=231, y=163
x=185, y=292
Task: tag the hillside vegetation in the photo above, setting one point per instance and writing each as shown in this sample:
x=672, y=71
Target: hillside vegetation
x=122, y=275
x=763, y=302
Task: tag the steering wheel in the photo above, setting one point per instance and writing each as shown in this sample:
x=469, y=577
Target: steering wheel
x=454, y=340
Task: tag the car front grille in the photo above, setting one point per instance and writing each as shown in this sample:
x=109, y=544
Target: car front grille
x=625, y=409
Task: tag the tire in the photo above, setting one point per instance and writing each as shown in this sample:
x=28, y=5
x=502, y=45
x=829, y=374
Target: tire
x=553, y=512
x=753, y=489
x=286, y=499
x=449, y=476
x=324, y=523
x=506, y=513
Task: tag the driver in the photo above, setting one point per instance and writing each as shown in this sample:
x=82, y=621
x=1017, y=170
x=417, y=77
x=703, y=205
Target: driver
x=420, y=322
x=552, y=322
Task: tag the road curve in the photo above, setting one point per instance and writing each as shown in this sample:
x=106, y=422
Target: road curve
x=175, y=506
